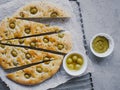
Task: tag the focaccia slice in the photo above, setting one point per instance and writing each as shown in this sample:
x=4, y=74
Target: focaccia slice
x=60, y=42
x=11, y=57
x=36, y=74
x=38, y=9
x=13, y=28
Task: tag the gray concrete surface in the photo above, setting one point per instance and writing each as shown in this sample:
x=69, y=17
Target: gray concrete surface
x=104, y=16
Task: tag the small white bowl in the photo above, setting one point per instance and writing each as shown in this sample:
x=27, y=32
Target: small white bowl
x=110, y=49
x=75, y=72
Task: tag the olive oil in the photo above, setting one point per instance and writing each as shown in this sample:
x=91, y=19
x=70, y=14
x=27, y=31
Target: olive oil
x=74, y=62
x=100, y=44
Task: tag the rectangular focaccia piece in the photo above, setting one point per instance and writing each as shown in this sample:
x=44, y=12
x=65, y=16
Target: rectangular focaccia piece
x=38, y=9
x=61, y=42
x=13, y=28
x=36, y=74
x=11, y=57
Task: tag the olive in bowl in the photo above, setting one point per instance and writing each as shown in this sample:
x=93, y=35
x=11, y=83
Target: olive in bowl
x=75, y=63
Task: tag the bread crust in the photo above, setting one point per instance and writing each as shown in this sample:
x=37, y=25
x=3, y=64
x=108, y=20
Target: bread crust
x=13, y=28
x=12, y=57
x=36, y=77
x=52, y=44
x=44, y=9
x=7, y=60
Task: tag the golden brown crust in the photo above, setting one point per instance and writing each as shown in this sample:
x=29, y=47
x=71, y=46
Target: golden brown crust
x=41, y=9
x=12, y=28
x=11, y=57
x=52, y=42
x=36, y=77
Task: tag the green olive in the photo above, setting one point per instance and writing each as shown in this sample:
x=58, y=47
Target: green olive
x=54, y=14
x=80, y=61
x=27, y=62
x=9, y=42
x=12, y=25
x=15, y=63
x=74, y=57
x=2, y=46
x=46, y=40
x=33, y=10
x=28, y=55
x=61, y=35
x=21, y=41
x=71, y=66
x=33, y=44
x=27, y=75
x=39, y=69
x=69, y=60
x=60, y=46
x=14, y=53
x=77, y=67
x=47, y=62
x=22, y=14
x=27, y=30
x=46, y=58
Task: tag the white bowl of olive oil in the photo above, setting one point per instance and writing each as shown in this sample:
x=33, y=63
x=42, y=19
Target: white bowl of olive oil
x=102, y=45
x=75, y=63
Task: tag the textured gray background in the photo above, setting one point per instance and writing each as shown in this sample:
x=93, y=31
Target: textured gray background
x=102, y=16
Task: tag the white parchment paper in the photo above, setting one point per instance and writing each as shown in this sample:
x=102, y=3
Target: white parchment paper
x=7, y=10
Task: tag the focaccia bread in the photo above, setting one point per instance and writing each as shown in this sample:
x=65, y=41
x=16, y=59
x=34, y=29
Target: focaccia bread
x=36, y=74
x=13, y=28
x=11, y=57
x=61, y=42
x=38, y=9
x=16, y=56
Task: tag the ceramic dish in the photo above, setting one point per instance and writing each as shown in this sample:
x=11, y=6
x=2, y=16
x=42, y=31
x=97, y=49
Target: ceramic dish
x=75, y=72
x=110, y=48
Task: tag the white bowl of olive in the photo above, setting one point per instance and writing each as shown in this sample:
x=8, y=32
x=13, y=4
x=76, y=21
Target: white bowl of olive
x=75, y=63
x=102, y=45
